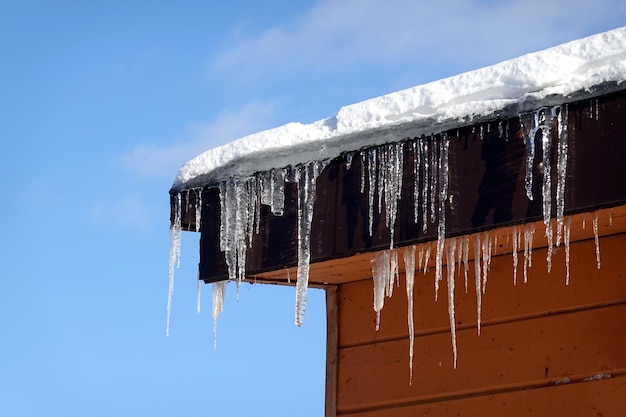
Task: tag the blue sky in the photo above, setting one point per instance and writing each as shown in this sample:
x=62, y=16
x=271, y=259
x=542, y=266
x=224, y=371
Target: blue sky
x=102, y=102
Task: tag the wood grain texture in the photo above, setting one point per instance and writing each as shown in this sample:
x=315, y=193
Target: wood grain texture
x=537, y=352
x=534, y=336
x=586, y=398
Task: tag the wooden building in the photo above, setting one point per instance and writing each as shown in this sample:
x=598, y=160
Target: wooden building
x=548, y=272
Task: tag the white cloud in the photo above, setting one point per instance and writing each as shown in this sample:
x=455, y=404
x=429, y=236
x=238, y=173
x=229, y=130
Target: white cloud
x=335, y=34
x=162, y=162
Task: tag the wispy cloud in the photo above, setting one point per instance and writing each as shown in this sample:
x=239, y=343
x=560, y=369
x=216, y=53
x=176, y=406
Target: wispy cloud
x=128, y=212
x=162, y=162
x=335, y=34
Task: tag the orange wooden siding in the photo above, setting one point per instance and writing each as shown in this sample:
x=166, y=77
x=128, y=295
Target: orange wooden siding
x=542, y=343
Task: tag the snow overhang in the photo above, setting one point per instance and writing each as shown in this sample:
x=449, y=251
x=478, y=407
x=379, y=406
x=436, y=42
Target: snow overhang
x=566, y=73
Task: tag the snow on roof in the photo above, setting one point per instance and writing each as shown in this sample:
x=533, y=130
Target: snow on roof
x=553, y=76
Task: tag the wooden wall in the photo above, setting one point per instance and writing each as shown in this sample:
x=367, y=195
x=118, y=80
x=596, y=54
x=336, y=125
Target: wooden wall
x=545, y=348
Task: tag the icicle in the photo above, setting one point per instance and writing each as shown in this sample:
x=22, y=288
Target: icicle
x=363, y=170
x=380, y=274
x=372, y=176
x=393, y=272
x=199, y=294
x=567, y=226
x=425, y=171
x=515, y=249
x=253, y=208
x=443, y=196
x=174, y=258
x=382, y=174
x=264, y=187
x=546, y=188
x=420, y=257
x=277, y=191
x=427, y=257
x=529, y=232
x=349, y=157
x=198, y=192
x=597, y=109
x=433, y=179
x=459, y=255
x=391, y=171
x=219, y=289
x=243, y=228
x=528, y=132
x=549, y=250
x=229, y=224
x=307, y=176
x=486, y=257
x=561, y=172
x=409, y=272
x=451, y=266
x=478, y=276
x=596, y=237
x=416, y=175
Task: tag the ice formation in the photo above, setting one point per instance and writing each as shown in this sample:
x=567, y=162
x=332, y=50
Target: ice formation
x=253, y=171
x=306, y=178
x=174, y=258
x=219, y=289
x=596, y=238
x=442, y=171
x=451, y=266
x=383, y=273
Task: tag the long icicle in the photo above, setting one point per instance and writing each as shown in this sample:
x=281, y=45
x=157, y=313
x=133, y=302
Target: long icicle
x=174, y=258
x=567, y=227
x=478, y=279
x=409, y=272
x=425, y=171
x=546, y=188
x=528, y=132
x=307, y=178
x=514, y=251
x=219, y=289
x=561, y=172
x=450, y=260
x=443, y=196
x=596, y=238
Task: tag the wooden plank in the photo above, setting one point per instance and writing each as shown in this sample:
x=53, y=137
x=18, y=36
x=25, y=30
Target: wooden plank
x=543, y=293
x=591, y=397
x=528, y=353
x=332, y=351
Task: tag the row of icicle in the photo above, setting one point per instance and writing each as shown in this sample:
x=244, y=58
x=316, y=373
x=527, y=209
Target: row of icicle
x=382, y=170
x=417, y=258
